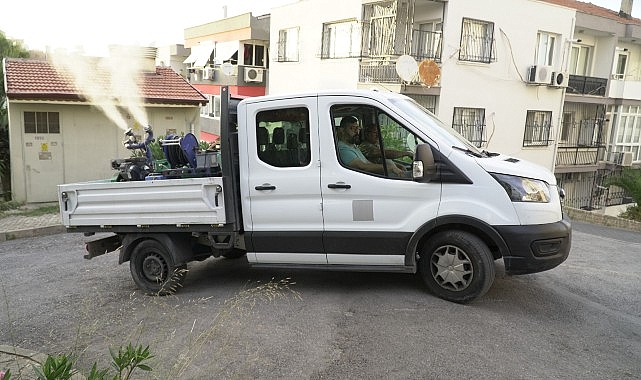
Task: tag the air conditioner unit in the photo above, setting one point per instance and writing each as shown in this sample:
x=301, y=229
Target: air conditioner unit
x=209, y=73
x=539, y=74
x=626, y=159
x=560, y=79
x=253, y=74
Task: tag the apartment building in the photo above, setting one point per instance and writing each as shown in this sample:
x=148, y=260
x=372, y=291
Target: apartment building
x=485, y=67
x=601, y=120
x=229, y=52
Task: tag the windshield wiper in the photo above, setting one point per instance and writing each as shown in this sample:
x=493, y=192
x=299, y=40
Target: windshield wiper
x=468, y=151
x=490, y=154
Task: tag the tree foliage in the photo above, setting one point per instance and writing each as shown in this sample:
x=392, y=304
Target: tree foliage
x=8, y=49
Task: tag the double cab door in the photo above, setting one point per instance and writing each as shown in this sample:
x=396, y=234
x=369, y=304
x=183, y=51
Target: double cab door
x=306, y=201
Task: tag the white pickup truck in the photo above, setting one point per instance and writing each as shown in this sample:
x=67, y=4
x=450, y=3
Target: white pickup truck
x=294, y=190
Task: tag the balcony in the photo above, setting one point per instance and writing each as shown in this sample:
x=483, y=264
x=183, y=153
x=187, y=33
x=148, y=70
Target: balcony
x=379, y=60
x=580, y=144
x=625, y=89
x=582, y=85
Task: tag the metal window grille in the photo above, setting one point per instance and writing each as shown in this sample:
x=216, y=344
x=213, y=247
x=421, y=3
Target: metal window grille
x=477, y=41
x=41, y=122
x=288, y=45
x=470, y=123
x=537, y=128
x=341, y=40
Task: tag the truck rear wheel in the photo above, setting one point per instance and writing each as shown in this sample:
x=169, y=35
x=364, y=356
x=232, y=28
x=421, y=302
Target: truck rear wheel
x=457, y=266
x=153, y=269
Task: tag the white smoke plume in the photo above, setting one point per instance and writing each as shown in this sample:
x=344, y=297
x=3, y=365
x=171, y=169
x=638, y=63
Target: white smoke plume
x=109, y=83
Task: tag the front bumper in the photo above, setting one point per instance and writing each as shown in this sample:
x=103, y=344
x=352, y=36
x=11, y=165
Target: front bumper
x=536, y=248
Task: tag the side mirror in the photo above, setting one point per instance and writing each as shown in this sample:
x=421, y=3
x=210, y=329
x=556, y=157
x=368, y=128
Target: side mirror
x=424, y=167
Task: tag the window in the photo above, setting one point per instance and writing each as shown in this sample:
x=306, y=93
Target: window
x=368, y=140
x=288, y=45
x=537, y=128
x=212, y=108
x=282, y=137
x=41, y=122
x=477, y=41
x=619, y=70
x=545, y=47
x=426, y=41
x=470, y=123
x=341, y=39
x=580, y=60
x=253, y=55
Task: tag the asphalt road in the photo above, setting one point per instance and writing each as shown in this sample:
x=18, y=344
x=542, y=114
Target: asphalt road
x=580, y=320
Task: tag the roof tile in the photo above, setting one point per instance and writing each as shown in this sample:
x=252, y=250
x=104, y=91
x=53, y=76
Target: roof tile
x=40, y=80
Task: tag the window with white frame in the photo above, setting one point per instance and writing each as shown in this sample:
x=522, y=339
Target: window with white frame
x=341, y=39
x=580, y=60
x=537, y=128
x=470, y=123
x=477, y=41
x=212, y=108
x=545, y=48
x=254, y=55
x=288, y=45
x=620, y=65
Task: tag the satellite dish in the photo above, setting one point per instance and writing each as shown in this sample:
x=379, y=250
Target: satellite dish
x=406, y=68
x=227, y=68
x=429, y=72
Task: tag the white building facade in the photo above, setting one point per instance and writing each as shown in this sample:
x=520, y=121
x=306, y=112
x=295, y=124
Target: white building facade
x=469, y=61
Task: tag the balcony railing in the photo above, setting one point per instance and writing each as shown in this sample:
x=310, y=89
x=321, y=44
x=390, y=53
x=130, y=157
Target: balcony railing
x=582, y=85
x=574, y=156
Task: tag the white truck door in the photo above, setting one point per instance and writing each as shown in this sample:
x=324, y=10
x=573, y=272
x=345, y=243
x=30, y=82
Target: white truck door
x=369, y=212
x=283, y=183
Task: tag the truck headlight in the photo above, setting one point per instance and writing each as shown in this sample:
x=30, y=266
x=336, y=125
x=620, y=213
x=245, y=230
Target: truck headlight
x=521, y=189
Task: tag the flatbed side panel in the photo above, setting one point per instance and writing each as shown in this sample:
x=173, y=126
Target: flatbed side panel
x=143, y=203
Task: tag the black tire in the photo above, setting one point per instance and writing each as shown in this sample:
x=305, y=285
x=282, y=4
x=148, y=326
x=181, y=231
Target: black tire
x=153, y=269
x=234, y=253
x=457, y=266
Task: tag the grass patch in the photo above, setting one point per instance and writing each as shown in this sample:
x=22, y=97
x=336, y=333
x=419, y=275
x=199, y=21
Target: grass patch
x=18, y=208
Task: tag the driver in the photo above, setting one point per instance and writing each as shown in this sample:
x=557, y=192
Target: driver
x=350, y=155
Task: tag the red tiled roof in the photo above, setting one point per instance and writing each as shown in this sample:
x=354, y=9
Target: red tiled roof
x=595, y=10
x=40, y=80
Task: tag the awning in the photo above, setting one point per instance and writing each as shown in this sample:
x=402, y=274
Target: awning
x=200, y=54
x=225, y=50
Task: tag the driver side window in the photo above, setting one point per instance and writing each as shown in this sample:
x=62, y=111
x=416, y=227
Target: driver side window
x=369, y=140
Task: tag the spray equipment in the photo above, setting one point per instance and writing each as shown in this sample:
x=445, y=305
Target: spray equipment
x=135, y=168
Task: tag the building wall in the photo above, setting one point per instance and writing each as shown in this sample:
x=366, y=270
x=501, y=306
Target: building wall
x=311, y=72
x=90, y=141
x=500, y=87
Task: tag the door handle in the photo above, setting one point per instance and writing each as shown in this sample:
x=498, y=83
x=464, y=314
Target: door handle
x=339, y=186
x=265, y=187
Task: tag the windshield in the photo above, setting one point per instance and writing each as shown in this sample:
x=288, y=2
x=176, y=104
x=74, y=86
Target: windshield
x=422, y=116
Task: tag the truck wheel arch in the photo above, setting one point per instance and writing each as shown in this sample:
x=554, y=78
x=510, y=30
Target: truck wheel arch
x=472, y=225
x=179, y=245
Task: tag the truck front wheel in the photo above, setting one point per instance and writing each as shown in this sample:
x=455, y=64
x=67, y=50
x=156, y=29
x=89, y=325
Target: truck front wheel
x=456, y=266
x=153, y=269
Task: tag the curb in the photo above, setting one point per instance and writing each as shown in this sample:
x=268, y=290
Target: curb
x=31, y=232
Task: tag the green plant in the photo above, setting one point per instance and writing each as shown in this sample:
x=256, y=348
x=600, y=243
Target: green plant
x=630, y=181
x=125, y=361
x=56, y=368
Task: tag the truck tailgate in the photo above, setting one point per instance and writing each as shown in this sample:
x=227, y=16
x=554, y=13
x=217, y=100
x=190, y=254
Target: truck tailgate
x=143, y=203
